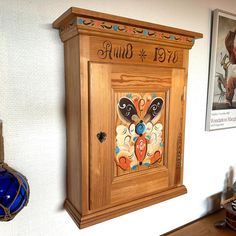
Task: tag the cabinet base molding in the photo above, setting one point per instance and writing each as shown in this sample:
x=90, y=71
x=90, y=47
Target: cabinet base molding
x=109, y=213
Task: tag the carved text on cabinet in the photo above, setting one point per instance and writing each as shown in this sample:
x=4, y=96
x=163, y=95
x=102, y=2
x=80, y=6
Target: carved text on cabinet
x=133, y=52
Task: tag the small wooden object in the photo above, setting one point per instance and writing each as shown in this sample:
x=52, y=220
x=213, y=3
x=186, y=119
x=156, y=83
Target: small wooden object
x=227, y=204
x=125, y=110
x=230, y=217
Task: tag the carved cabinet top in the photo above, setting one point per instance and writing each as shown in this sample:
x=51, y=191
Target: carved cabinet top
x=80, y=21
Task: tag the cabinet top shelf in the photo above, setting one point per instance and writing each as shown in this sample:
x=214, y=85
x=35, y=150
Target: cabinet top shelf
x=95, y=21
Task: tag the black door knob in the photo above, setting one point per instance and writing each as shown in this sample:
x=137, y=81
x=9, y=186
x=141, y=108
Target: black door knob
x=101, y=136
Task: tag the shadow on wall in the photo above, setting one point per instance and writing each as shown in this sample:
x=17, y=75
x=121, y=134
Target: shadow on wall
x=214, y=202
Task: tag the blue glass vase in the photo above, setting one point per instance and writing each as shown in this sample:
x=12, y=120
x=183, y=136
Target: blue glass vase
x=14, y=192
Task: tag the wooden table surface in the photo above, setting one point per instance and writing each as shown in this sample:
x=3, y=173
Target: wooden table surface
x=204, y=227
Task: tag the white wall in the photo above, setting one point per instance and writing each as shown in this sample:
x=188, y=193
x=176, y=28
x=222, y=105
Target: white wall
x=31, y=106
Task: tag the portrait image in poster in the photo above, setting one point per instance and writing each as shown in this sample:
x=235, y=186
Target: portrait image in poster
x=225, y=82
x=221, y=110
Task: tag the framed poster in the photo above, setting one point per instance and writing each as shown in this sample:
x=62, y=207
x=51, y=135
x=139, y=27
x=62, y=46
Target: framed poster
x=221, y=107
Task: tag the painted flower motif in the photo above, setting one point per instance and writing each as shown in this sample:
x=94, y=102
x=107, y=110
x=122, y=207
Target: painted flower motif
x=140, y=128
x=158, y=35
x=145, y=32
x=115, y=27
x=129, y=29
x=97, y=24
x=139, y=137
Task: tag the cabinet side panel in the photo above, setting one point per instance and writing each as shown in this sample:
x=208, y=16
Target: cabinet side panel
x=175, y=127
x=72, y=83
x=179, y=180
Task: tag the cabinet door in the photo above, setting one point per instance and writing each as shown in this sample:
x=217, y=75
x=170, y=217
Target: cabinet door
x=136, y=115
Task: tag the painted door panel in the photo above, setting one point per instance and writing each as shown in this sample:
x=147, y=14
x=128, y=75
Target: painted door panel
x=139, y=108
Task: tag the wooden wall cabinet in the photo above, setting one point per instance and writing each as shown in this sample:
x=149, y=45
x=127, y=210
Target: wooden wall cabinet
x=125, y=110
